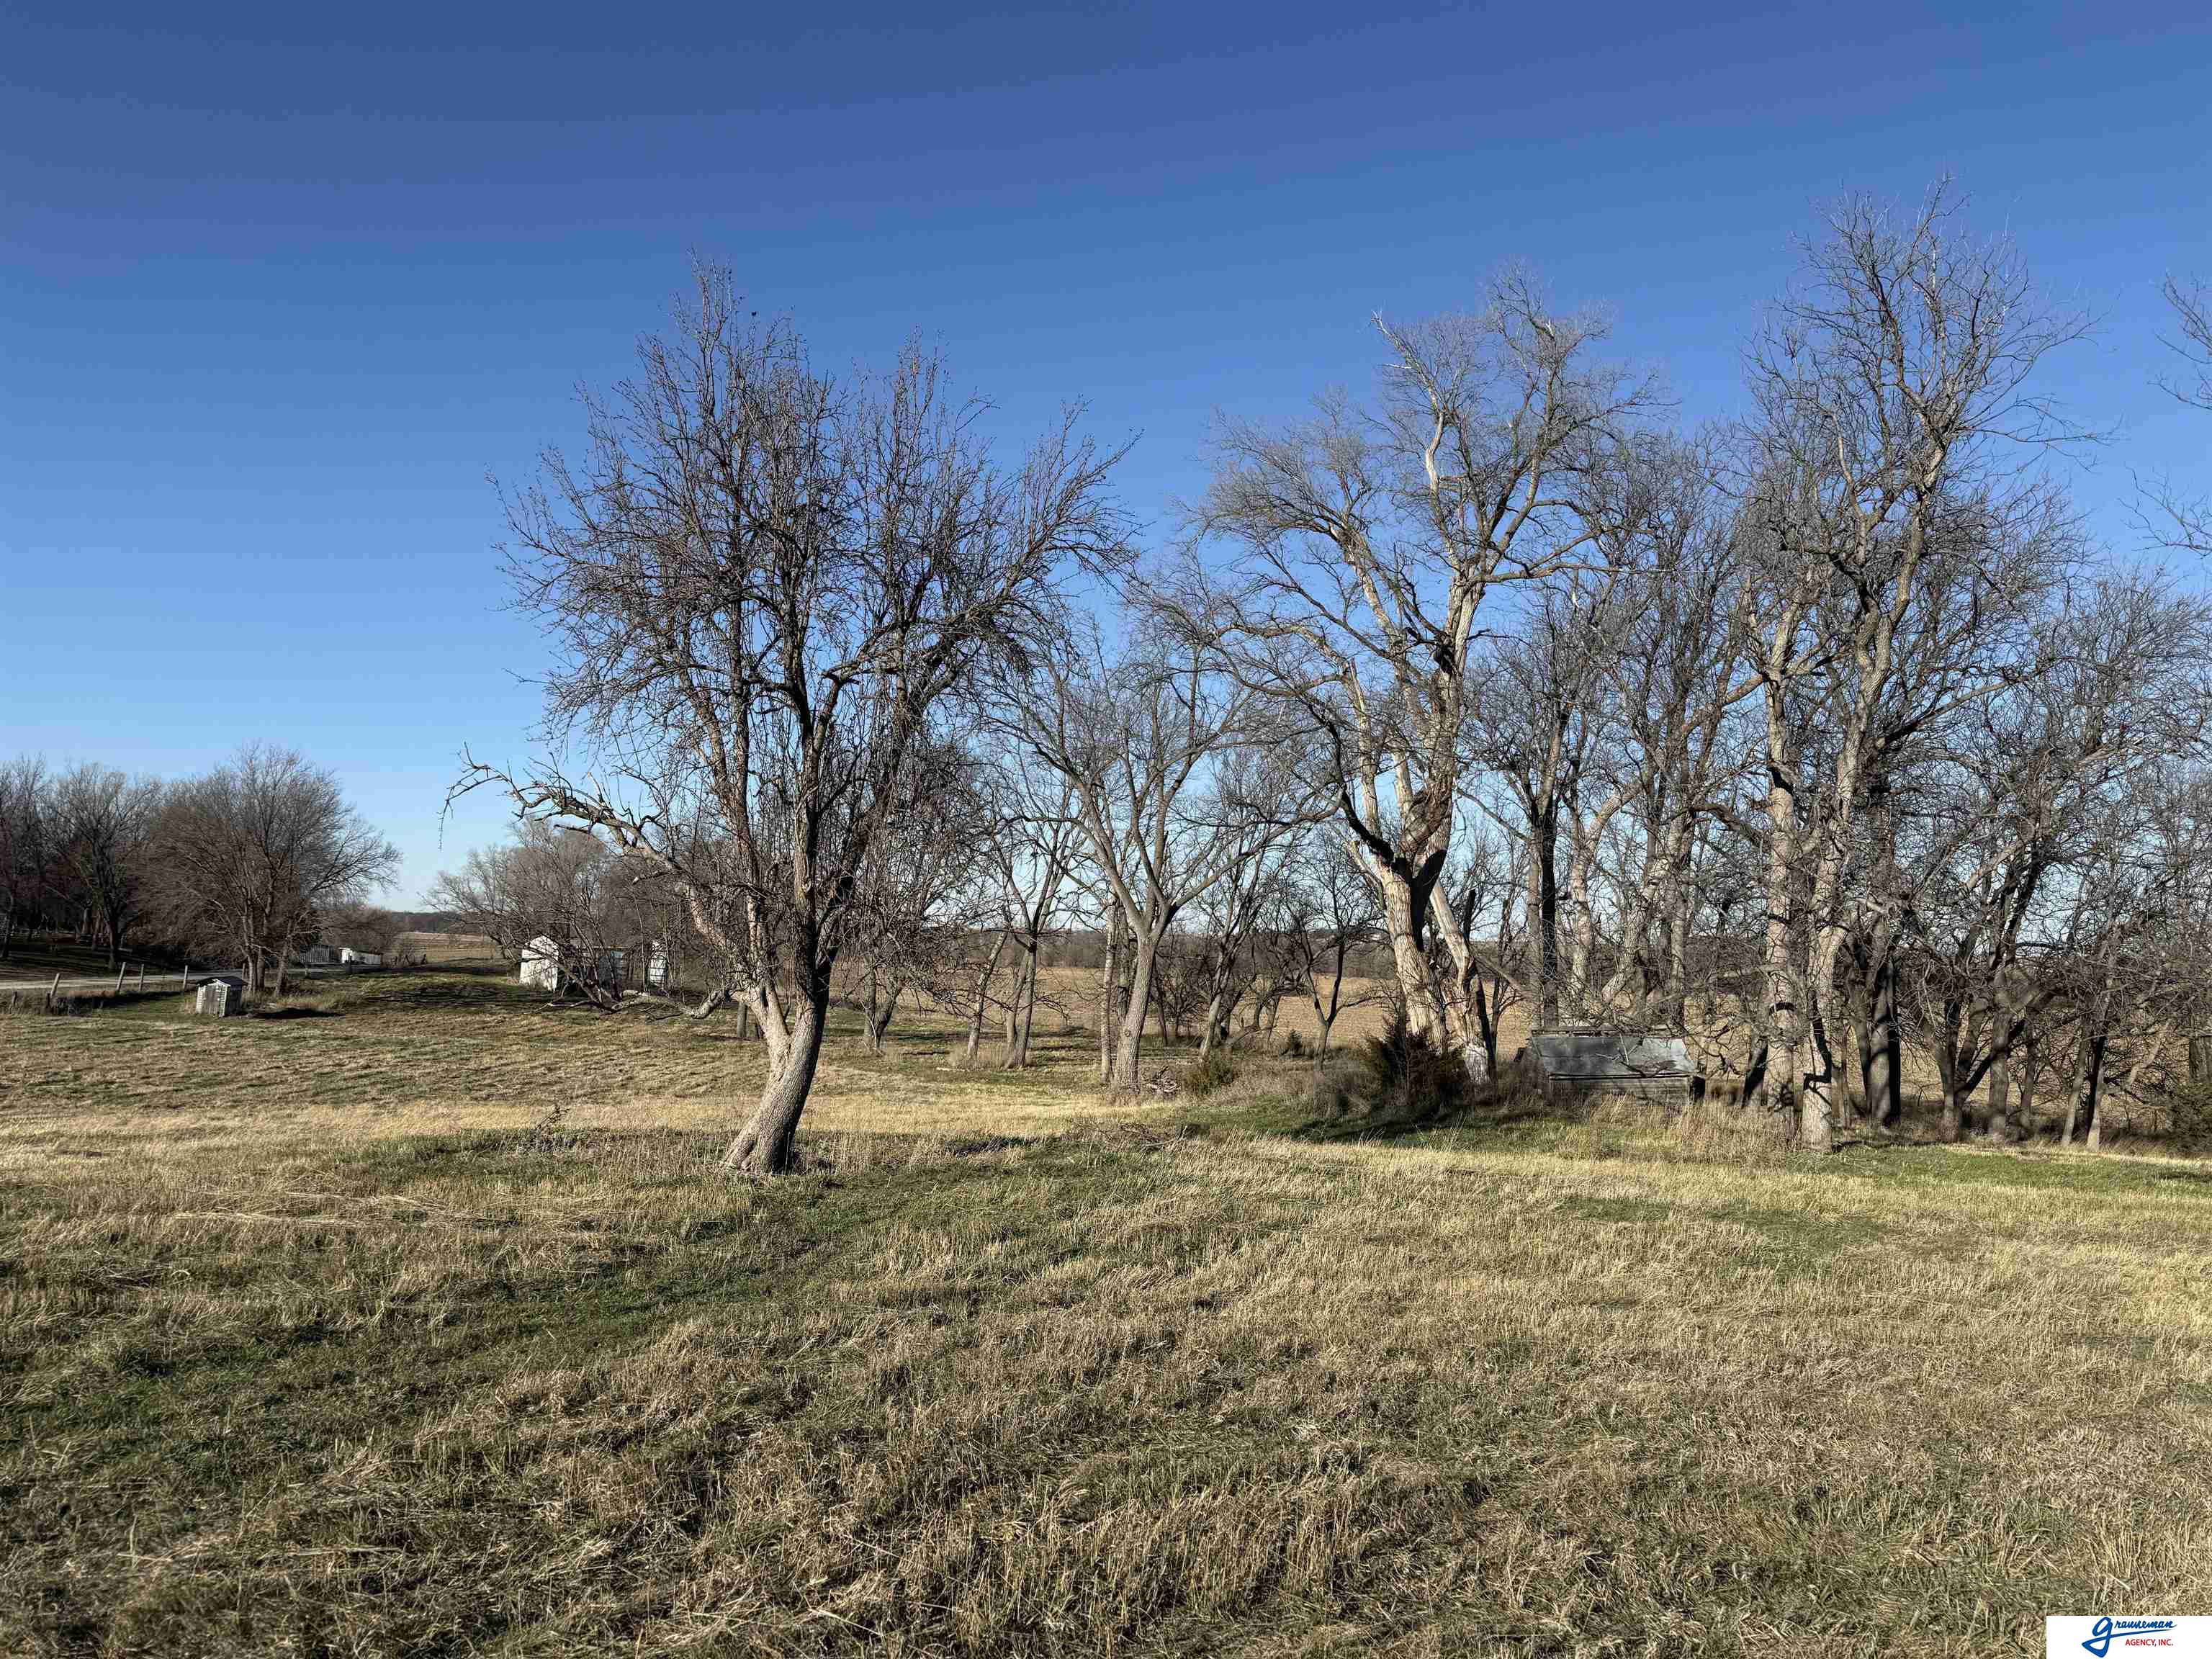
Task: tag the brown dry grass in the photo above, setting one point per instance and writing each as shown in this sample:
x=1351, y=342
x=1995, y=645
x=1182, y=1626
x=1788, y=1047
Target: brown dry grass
x=443, y=950
x=316, y=1336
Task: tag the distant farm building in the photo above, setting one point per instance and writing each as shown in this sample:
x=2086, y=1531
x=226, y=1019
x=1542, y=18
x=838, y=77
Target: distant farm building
x=545, y=964
x=352, y=958
x=319, y=955
x=1650, y=1065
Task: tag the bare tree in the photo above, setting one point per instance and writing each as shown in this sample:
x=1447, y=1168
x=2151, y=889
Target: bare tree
x=1260, y=804
x=1885, y=385
x=247, y=856
x=2174, y=516
x=553, y=892
x=1135, y=739
x=101, y=820
x=26, y=843
x=763, y=584
x=1367, y=542
x=1478, y=889
x=924, y=895
x=1031, y=847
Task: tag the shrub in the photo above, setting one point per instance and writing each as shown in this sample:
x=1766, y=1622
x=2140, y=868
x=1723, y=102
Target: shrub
x=1338, y=1081
x=1409, y=1077
x=1294, y=1047
x=1216, y=1071
x=2188, y=1115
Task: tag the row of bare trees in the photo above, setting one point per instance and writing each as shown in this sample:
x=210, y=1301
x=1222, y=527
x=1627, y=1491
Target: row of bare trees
x=245, y=863
x=1821, y=736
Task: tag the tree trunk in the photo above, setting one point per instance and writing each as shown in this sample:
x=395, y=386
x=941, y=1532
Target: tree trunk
x=1107, y=979
x=1408, y=964
x=2002, y=1129
x=880, y=1019
x=2092, y=1098
x=1026, y=1031
x=1946, y=1070
x=1770, y=1078
x=1129, y=1056
x=2031, y=1069
x=2074, y=1094
x=982, y=1003
x=1883, y=1079
x=1020, y=1007
x=1217, y=1024
x=764, y=1145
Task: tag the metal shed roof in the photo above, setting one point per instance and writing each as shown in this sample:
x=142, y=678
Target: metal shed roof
x=1600, y=1055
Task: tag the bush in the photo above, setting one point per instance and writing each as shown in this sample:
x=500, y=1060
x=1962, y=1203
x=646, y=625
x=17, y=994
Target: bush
x=1338, y=1079
x=2188, y=1116
x=1409, y=1077
x=1294, y=1047
x=1216, y=1071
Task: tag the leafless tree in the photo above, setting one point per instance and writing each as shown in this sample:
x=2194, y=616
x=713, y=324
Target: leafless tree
x=1031, y=847
x=248, y=855
x=925, y=895
x=1478, y=889
x=763, y=584
x=1888, y=385
x=1135, y=737
x=554, y=891
x=1366, y=544
x=360, y=926
x=101, y=820
x=2173, y=515
x=26, y=843
x=1332, y=916
x=1261, y=803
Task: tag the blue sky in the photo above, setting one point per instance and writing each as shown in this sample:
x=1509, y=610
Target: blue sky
x=279, y=290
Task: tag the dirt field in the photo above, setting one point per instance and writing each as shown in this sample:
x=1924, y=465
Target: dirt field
x=416, y=1317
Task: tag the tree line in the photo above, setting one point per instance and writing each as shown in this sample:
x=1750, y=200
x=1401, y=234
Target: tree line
x=244, y=864
x=1815, y=734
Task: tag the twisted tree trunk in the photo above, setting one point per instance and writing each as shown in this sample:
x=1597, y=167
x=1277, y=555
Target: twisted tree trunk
x=765, y=1145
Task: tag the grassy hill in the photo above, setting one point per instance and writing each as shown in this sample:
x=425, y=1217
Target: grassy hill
x=417, y=1317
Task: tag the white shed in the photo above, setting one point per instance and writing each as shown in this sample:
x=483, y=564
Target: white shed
x=361, y=959
x=541, y=964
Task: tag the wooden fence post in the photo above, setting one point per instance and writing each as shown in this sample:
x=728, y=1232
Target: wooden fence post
x=53, y=991
x=119, y=972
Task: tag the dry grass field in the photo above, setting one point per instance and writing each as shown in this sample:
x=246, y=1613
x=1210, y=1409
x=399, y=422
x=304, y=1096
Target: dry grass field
x=324, y=1333
x=443, y=950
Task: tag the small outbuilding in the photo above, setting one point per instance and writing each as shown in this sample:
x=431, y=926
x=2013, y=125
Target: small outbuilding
x=546, y=965
x=1649, y=1065
x=353, y=959
x=319, y=955
x=541, y=964
x=220, y=997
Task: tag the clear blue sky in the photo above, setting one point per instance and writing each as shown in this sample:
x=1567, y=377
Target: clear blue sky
x=279, y=290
